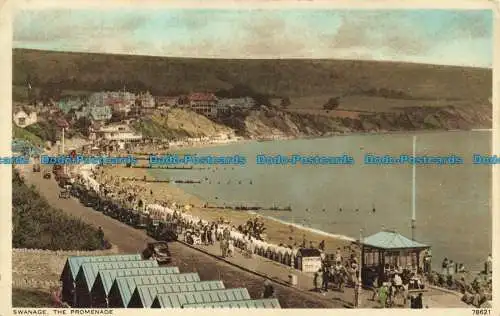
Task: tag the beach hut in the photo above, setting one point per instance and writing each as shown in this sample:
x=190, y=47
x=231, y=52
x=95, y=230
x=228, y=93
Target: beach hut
x=123, y=287
x=263, y=303
x=105, y=279
x=308, y=259
x=72, y=267
x=386, y=252
x=144, y=295
x=178, y=300
x=88, y=272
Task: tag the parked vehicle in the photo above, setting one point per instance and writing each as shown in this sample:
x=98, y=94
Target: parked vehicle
x=89, y=199
x=47, y=175
x=56, y=168
x=77, y=190
x=158, y=251
x=163, y=231
x=64, y=194
x=138, y=219
x=62, y=178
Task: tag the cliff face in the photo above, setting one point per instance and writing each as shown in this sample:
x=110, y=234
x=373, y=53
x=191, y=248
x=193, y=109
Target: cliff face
x=273, y=121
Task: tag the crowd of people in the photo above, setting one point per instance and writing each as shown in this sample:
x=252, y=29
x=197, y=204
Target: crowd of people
x=476, y=289
x=249, y=238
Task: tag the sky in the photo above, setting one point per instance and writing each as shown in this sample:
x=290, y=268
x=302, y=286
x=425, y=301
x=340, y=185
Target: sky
x=446, y=37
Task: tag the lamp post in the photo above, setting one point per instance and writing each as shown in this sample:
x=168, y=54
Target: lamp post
x=413, y=193
x=358, y=286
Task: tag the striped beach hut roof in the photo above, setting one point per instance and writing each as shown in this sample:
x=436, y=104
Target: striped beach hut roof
x=74, y=263
x=177, y=300
x=391, y=240
x=108, y=276
x=147, y=293
x=126, y=285
x=263, y=303
x=89, y=270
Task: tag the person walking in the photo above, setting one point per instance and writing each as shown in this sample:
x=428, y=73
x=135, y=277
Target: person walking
x=212, y=235
x=268, y=290
x=326, y=277
x=375, y=288
x=223, y=248
x=419, y=301
x=451, y=268
x=230, y=251
x=338, y=255
x=382, y=295
x=444, y=267
x=322, y=245
x=316, y=279
x=100, y=234
x=488, y=264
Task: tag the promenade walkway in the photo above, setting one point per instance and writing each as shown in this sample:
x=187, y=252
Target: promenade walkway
x=433, y=298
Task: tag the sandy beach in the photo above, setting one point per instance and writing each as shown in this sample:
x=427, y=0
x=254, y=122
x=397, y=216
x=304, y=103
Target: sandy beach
x=277, y=232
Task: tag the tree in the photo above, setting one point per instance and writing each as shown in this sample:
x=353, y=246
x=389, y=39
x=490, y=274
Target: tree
x=285, y=102
x=82, y=125
x=331, y=104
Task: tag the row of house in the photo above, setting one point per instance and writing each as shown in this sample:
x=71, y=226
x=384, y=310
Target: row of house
x=100, y=106
x=209, y=105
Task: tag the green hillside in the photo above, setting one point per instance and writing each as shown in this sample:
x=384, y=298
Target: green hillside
x=294, y=78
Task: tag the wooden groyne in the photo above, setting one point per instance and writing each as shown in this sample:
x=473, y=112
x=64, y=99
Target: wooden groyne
x=167, y=167
x=248, y=208
x=134, y=179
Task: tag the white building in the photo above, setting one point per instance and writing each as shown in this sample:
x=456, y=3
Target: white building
x=147, y=100
x=203, y=103
x=23, y=119
x=118, y=132
x=226, y=105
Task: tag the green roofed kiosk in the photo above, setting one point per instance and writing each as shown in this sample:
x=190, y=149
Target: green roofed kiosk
x=386, y=252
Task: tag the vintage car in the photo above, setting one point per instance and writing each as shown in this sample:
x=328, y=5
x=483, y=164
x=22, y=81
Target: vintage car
x=137, y=219
x=164, y=231
x=89, y=199
x=158, y=251
x=77, y=190
x=62, y=179
x=64, y=194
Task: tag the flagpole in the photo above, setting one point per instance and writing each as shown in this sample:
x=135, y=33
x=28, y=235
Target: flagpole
x=413, y=198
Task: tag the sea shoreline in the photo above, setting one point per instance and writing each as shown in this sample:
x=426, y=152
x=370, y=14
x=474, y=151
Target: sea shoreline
x=278, y=231
x=140, y=173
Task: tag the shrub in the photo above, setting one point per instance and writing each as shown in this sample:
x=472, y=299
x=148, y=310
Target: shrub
x=36, y=224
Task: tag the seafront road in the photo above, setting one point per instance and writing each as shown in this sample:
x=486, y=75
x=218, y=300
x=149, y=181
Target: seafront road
x=237, y=271
x=131, y=240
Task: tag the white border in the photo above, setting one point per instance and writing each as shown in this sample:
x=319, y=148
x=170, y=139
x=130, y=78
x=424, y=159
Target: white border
x=6, y=9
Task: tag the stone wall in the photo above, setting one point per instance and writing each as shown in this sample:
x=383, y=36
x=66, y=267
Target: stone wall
x=41, y=269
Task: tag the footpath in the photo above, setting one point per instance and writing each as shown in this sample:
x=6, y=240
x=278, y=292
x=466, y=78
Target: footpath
x=279, y=273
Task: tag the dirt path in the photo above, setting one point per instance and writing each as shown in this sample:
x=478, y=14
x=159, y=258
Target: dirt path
x=130, y=240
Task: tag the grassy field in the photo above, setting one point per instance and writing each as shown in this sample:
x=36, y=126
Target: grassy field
x=293, y=78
